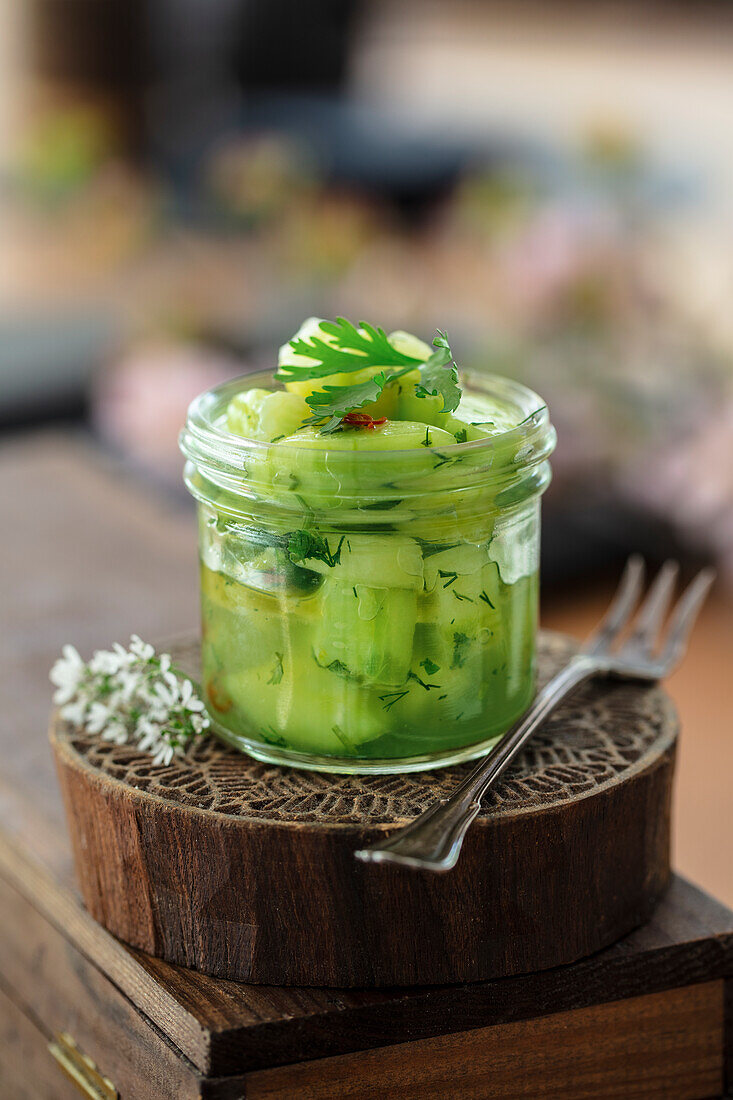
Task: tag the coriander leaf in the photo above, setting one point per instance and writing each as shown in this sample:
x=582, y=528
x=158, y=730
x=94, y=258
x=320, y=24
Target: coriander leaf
x=350, y=348
x=336, y=402
x=439, y=376
x=461, y=435
x=340, y=400
x=430, y=666
x=305, y=544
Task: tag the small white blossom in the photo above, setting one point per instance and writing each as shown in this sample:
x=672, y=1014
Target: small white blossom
x=74, y=712
x=98, y=716
x=130, y=696
x=66, y=674
x=141, y=649
x=105, y=662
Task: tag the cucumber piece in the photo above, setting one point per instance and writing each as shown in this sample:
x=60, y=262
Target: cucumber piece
x=395, y=435
x=366, y=632
x=465, y=603
x=293, y=702
x=235, y=628
x=379, y=561
x=266, y=414
x=410, y=345
x=424, y=410
x=323, y=468
x=447, y=566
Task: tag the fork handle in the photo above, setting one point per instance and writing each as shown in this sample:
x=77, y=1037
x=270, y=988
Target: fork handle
x=433, y=840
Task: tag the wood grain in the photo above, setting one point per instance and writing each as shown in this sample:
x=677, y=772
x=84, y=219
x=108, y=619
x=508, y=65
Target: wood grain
x=67, y=992
x=27, y=1070
x=226, y=1028
x=577, y=831
x=657, y=1046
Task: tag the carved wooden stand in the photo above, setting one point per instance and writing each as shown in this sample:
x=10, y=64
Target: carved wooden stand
x=246, y=871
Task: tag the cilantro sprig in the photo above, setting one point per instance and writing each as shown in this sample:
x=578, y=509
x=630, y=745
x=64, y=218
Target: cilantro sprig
x=436, y=380
x=336, y=402
x=350, y=349
x=353, y=348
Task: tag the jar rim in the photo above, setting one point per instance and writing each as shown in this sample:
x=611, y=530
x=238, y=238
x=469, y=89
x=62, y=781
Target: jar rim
x=204, y=440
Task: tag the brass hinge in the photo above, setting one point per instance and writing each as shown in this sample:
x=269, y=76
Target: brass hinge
x=80, y=1069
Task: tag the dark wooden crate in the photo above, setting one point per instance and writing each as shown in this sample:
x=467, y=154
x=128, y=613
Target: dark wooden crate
x=645, y=1017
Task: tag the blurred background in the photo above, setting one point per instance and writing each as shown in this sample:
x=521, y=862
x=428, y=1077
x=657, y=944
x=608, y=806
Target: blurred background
x=183, y=181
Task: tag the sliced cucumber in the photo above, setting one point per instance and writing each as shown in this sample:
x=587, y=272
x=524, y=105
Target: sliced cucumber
x=446, y=567
x=395, y=435
x=323, y=468
x=366, y=632
x=291, y=701
x=266, y=415
x=391, y=561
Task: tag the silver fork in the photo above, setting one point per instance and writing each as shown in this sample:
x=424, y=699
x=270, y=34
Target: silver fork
x=433, y=840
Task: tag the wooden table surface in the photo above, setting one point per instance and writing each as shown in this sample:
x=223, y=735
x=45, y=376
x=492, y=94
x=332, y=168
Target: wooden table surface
x=89, y=555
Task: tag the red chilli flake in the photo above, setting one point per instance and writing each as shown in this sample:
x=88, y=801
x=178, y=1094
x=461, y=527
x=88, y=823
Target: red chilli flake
x=363, y=420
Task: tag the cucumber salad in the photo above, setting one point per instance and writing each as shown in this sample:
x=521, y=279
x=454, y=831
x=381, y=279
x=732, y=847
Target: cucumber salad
x=369, y=526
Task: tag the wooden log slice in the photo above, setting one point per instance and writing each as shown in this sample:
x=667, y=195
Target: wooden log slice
x=245, y=870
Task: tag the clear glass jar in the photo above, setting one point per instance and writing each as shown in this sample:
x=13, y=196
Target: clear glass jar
x=368, y=611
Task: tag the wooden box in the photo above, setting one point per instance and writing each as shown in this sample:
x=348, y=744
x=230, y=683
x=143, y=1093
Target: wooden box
x=648, y=1017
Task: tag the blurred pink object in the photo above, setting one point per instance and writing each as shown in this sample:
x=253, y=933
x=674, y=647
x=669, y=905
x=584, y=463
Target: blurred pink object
x=139, y=402
x=690, y=483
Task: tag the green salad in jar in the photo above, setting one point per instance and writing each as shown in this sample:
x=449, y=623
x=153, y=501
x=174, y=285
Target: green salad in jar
x=369, y=539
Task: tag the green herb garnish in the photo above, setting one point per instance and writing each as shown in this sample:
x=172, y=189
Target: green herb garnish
x=435, y=380
x=391, y=698
x=485, y=598
x=430, y=666
x=351, y=348
x=306, y=544
x=422, y=683
x=336, y=402
x=452, y=577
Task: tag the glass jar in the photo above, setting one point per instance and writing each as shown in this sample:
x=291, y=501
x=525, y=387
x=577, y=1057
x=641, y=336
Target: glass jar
x=368, y=611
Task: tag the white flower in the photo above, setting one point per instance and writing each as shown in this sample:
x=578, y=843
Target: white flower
x=130, y=696
x=74, y=712
x=141, y=649
x=97, y=717
x=66, y=674
x=168, y=693
x=105, y=662
x=164, y=755
x=189, y=700
x=115, y=731
x=129, y=682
